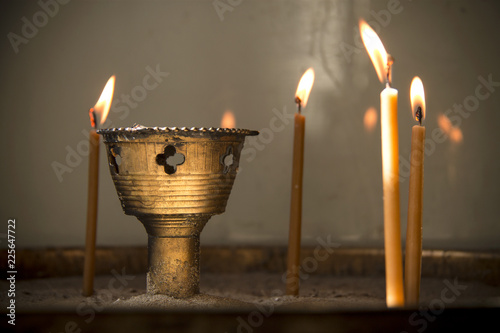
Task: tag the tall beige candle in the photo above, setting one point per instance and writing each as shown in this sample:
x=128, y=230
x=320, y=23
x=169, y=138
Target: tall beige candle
x=390, y=166
x=390, y=181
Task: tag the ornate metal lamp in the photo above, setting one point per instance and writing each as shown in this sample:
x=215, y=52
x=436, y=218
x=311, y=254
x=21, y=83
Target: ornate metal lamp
x=173, y=180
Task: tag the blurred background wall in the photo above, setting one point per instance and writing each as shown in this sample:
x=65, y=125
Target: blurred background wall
x=247, y=57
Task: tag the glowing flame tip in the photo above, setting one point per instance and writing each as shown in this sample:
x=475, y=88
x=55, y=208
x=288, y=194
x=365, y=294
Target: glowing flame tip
x=228, y=120
x=417, y=98
x=305, y=86
x=101, y=108
x=375, y=49
x=455, y=133
x=370, y=119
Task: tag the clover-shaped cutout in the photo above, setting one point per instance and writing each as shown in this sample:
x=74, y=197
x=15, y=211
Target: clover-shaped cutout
x=170, y=159
x=227, y=160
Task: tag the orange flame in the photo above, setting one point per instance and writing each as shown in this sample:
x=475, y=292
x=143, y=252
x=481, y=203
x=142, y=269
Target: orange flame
x=375, y=49
x=228, y=120
x=454, y=133
x=370, y=119
x=101, y=108
x=305, y=86
x=445, y=124
x=417, y=97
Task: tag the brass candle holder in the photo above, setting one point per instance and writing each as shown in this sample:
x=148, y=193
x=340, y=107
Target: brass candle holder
x=173, y=180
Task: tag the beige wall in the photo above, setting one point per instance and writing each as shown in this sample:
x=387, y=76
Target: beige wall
x=249, y=60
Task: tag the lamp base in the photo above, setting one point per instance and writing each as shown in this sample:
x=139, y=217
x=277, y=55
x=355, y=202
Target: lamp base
x=174, y=254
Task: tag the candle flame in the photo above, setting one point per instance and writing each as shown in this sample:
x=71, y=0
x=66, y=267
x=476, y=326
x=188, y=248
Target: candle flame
x=101, y=108
x=375, y=49
x=370, y=119
x=445, y=124
x=305, y=86
x=228, y=120
x=454, y=133
x=417, y=98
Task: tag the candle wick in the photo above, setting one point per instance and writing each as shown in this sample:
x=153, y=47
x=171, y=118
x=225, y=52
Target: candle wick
x=93, y=118
x=418, y=115
x=390, y=61
x=299, y=103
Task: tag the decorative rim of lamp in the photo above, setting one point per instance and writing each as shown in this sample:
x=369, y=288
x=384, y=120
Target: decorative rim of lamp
x=187, y=131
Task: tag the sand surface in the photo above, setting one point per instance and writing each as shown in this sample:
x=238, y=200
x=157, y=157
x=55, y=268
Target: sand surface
x=233, y=292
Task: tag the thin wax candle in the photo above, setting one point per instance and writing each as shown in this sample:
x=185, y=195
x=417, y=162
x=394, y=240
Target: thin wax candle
x=413, y=253
x=100, y=109
x=293, y=259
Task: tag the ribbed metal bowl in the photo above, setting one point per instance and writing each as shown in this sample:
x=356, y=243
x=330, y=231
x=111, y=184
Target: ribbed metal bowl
x=200, y=185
